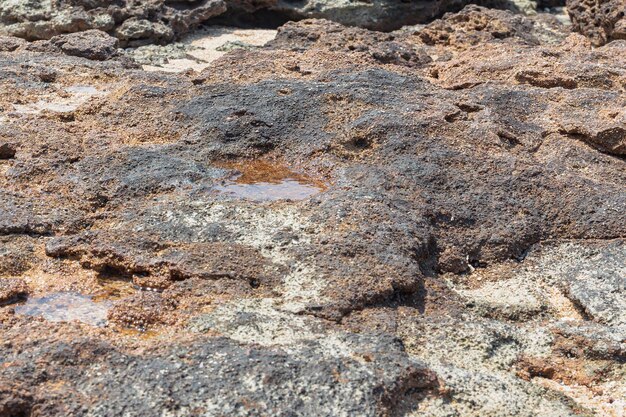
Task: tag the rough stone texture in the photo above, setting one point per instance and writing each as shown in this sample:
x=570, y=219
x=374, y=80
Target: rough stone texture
x=381, y=46
x=474, y=26
x=161, y=21
x=590, y=274
x=90, y=44
x=11, y=290
x=376, y=14
x=601, y=20
x=16, y=254
x=132, y=22
x=463, y=256
x=383, y=15
x=487, y=366
x=142, y=310
x=11, y=43
x=212, y=376
x=136, y=257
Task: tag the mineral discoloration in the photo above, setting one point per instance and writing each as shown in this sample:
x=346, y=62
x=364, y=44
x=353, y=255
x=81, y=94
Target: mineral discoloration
x=267, y=380
x=459, y=249
x=142, y=310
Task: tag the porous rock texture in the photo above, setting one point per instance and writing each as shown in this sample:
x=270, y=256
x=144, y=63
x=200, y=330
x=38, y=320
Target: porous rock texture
x=384, y=15
x=140, y=22
x=601, y=20
x=463, y=255
x=133, y=22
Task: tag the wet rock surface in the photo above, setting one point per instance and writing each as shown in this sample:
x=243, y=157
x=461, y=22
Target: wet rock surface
x=424, y=222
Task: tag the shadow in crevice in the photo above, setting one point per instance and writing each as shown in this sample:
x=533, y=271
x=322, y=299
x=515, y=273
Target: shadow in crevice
x=271, y=19
x=261, y=19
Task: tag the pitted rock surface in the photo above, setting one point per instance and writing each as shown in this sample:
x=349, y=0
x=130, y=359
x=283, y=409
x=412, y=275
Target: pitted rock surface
x=239, y=380
x=140, y=22
x=601, y=20
x=130, y=21
x=462, y=253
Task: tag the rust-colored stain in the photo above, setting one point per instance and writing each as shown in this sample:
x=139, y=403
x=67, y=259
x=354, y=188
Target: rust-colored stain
x=264, y=181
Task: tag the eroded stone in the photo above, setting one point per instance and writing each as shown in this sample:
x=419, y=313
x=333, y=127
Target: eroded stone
x=473, y=186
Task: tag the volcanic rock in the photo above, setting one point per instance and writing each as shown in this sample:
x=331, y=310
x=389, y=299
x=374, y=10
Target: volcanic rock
x=90, y=44
x=459, y=249
x=601, y=20
x=112, y=381
x=144, y=22
x=133, y=22
x=11, y=290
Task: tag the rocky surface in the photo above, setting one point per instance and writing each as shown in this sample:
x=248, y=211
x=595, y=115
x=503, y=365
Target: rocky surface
x=130, y=21
x=601, y=20
x=424, y=222
x=199, y=49
x=144, y=22
x=383, y=15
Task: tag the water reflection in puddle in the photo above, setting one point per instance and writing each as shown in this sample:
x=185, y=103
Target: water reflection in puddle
x=136, y=333
x=65, y=307
x=261, y=181
x=113, y=289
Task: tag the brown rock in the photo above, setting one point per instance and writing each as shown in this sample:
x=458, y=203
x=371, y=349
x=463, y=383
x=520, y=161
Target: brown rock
x=477, y=25
x=12, y=290
x=323, y=34
x=10, y=43
x=600, y=20
x=90, y=44
x=142, y=310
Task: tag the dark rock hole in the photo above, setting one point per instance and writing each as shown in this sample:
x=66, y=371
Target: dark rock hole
x=261, y=19
x=7, y=151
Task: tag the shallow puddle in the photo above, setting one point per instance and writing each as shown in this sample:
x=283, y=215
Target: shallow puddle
x=66, y=307
x=288, y=189
x=136, y=333
x=262, y=181
x=113, y=289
